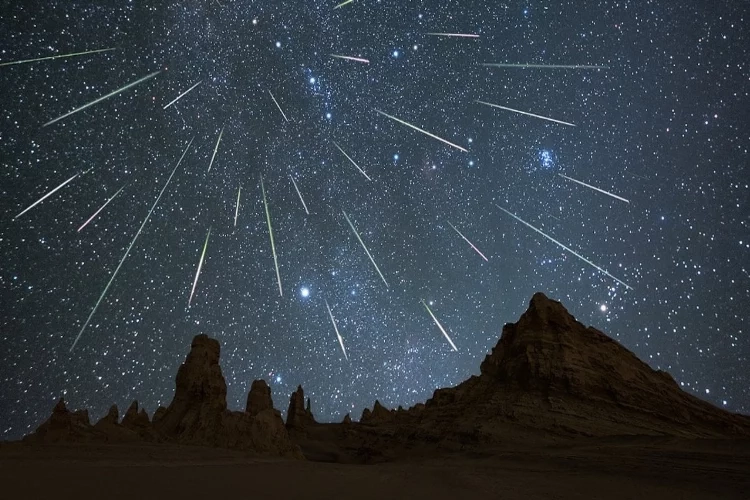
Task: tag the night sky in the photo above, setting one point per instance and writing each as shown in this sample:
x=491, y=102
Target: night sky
x=660, y=121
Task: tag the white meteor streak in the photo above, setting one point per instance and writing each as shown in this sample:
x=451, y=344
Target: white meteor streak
x=336, y=328
x=567, y=249
x=423, y=131
x=237, y=208
x=353, y=163
x=277, y=105
x=342, y=4
x=525, y=113
x=37, y=202
x=95, y=101
x=595, y=188
x=300, y=195
x=445, y=334
x=138, y=233
x=467, y=241
x=458, y=35
x=200, y=265
x=61, y=56
x=216, y=149
x=350, y=58
x=270, y=233
x=182, y=95
x=543, y=66
x=366, y=250
x=102, y=208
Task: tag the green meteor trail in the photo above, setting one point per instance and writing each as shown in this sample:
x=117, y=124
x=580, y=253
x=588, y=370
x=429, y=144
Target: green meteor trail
x=270, y=233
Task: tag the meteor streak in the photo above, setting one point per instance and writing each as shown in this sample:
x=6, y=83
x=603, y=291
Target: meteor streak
x=467, y=241
x=595, y=188
x=61, y=56
x=350, y=58
x=216, y=149
x=353, y=163
x=102, y=208
x=138, y=233
x=459, y=35
x=366, y=250
x=37, y=202
x=439, y=325
x=336, y=328
x=525, y=113
x=300, y=195
x=567, y=249
x=237, y=209
x=402, y=122
x=200, y=265
x=277, y=105
x=270, y=233
x=543, y=66
x=181, y=95
x=342, y=4
x=96, y=101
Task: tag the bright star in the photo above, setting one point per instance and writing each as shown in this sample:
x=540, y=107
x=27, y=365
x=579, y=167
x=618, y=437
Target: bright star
x=305, y=292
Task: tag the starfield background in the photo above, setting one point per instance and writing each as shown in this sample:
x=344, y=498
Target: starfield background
x=650, y=108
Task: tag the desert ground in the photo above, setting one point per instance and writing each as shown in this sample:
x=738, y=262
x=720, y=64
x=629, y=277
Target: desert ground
x=612, y=468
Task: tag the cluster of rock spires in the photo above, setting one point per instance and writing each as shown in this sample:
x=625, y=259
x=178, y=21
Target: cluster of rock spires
x=548, y=374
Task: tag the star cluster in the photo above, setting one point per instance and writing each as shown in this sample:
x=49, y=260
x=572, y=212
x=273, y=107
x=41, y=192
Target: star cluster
x=662, y=123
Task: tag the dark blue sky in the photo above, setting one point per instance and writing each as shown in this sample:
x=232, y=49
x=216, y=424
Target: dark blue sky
x=662, y=124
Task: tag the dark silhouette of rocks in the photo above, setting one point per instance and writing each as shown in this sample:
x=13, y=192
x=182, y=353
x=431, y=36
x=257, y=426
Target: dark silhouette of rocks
x=158, y=414
x=549, y=378
x=259, y=398
x=379, y=414
x=298, y=416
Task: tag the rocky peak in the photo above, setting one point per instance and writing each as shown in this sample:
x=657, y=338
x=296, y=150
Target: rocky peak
x=200, y=395
x=259, y=398
x=297, y=416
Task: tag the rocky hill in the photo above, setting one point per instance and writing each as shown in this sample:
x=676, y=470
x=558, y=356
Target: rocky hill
x=548, y=378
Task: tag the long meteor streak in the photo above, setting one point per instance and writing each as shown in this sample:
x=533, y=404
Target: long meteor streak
x=525, y=113
x=567, y=249
x=270, y=233
x=366, y=250
x=353, y=163
x=237, y=208
x=467, y=241
x=336, y=328
x=277, y=105
x=458, y=35
x=595, y=188
x=61, y=56
x=37, y=202
x=138, y=233
x=182, y=95
x=200, y=265
x=342, y=4
x=216, y=149
x=544, y=66
x=445, y=334
x=96, y=101
x=300, y=195
x=402, y=122
x=102, y=208
x=350, y=58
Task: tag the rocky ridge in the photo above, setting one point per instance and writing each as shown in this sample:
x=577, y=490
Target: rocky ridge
x=549, y=377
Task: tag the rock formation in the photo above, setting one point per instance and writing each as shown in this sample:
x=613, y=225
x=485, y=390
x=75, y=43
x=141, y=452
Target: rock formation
x=299, y=417
x=548, y=377
x=259, y=398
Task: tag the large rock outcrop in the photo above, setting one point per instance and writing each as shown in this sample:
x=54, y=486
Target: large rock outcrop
x=298, y=416
x=552, y=373
x=259, y=398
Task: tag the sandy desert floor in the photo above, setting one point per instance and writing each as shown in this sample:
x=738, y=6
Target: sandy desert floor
x=613, y=469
